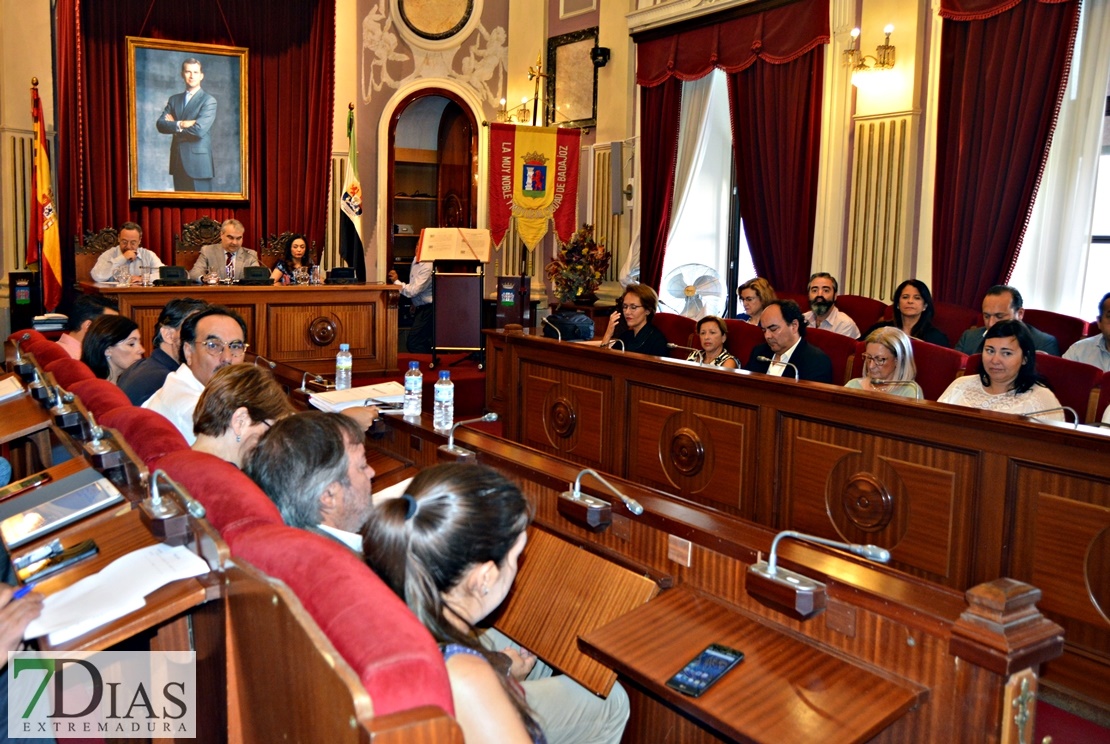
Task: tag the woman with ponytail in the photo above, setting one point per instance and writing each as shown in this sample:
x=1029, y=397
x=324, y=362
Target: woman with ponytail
x=449, y=547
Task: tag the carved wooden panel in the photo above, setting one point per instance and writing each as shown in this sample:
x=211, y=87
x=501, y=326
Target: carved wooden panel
x=313, y=331
x=692, y=446
x=565, y=412
x=862, y=487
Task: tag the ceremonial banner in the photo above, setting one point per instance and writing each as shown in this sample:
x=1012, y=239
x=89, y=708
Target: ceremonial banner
x=350, y=218
x=533, y=179
x=42, y=232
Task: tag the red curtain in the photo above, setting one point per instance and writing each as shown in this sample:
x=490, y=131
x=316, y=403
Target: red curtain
x=776, y=113
x=1002, y=77
x=290, y=86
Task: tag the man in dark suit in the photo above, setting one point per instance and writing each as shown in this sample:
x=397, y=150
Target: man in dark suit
x=188, y=117
x=1003, y=302
x=784, y=329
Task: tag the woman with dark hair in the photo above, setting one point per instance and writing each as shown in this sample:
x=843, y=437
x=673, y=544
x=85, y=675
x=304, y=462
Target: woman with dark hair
x=712, y=332
x=1007, y=380
x=449, y=547
x=913, y=314
x=111, y=345
x=631, y=325
x=296, y=257
x=754, y=295
x=238, y=405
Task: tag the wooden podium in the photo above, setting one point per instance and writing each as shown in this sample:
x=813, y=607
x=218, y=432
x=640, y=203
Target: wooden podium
x=457, y=256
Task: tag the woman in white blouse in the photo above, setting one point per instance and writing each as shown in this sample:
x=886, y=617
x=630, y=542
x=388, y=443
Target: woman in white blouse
x=1007, y=380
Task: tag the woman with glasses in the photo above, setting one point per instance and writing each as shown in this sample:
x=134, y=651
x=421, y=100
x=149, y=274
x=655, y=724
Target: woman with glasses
x=712, y=333
x=237, y=406
x=754, y=294
x=888, y=365
x=630, y=324
x=111, y=345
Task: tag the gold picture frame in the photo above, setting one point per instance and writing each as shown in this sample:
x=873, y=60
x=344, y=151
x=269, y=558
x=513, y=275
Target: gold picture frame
x=209, y=158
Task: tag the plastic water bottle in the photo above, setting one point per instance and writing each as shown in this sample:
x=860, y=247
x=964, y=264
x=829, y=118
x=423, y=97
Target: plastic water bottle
x=445, y=402
x=343, y=364
x=414, y=390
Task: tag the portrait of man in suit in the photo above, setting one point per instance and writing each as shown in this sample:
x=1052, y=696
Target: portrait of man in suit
x=189, y=117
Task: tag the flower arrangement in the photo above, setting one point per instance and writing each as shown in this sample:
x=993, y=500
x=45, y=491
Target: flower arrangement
x=578, y=267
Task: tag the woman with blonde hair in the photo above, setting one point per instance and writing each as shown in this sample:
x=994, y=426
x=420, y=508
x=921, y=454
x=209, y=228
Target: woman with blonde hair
x=888, y=365
x=238, y=405
x=754, y=295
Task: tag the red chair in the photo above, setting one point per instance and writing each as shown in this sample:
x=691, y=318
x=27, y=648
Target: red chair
x=802, y=298
x=395, y=657
x=678, y=329
x=1076, y=385
x=953, y=320
x=937, y=367
x=742, y=338
x=99, y=396
x=68, y=371
x=1065, y=328
x=865, y=311
x=1103, y=398
x=45, y=351
x=150, y=434
x=840, y=349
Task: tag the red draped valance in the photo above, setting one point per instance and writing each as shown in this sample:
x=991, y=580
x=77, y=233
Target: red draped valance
x=977, y=10
x=778, y=35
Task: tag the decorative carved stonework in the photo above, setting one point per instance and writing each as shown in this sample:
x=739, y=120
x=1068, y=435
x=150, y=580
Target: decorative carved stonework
x=98, y=242
x=197, y=234
x=867, y=502
x=687, y=451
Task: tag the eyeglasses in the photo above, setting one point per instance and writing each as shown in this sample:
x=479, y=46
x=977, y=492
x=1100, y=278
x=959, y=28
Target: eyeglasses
x=216, y=347
x=631, y=307
x=877, y=360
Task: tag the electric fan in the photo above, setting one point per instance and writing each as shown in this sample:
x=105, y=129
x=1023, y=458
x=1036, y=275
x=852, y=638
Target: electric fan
x=696, y=289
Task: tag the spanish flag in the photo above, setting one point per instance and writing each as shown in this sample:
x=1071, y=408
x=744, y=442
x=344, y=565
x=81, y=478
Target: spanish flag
x=42, y=232
x=533, y=180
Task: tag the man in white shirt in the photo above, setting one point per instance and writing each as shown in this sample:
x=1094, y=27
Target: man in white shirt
x=127, y=254
x=419, y=290
x=824, y=313
x=210, y=340
x=313, y=466
x=1096, y=349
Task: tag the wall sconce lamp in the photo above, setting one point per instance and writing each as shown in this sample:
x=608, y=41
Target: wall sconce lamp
x=883, y=59
x=520, y=114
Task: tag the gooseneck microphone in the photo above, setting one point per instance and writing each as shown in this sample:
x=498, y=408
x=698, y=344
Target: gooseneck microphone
x=771, y=361
x=18, y=352
x=547, y=320
x=576, y=494
x=1069, y=409
x=680, y=346
x=193, y=506
x=617, y=341
x=450, y=446
x=900, y=383
x=259, y=358
x=871, y=552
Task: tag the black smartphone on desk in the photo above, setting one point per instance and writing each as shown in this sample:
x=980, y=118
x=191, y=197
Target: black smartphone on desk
x=705, y=669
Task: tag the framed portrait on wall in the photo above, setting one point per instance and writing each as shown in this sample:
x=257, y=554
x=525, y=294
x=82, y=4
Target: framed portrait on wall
x=572, y=80
x=187, y=120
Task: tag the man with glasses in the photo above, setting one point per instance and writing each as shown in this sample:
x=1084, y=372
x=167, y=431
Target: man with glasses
x=128, y=254
x=210, y=340
x=227, y=258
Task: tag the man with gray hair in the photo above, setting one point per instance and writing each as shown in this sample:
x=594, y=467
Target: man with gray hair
x=313, y=466
x=226, y=258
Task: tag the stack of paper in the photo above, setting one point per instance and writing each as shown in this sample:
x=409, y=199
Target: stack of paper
x=367, y=395
x=117, y=590
x=10, y=387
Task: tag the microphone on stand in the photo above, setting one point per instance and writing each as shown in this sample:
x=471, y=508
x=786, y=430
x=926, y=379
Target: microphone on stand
x=18, y=353
x=1071, y=410
x=576, y=494
x=900, y=383
x=547, y=320
x=680, y=346
x=462, y=454
x=259, y=357
x=770, y=361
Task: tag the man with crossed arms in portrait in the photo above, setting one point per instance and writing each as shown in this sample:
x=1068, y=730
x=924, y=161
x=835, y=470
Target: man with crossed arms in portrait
x=189, y=117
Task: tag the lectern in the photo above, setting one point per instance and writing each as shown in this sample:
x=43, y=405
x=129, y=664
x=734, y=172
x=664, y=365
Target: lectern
x=458, y=256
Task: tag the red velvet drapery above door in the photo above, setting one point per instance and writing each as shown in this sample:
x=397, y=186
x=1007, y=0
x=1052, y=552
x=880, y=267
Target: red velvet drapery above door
x=1004, y=66
x=290, y=84
x=776, y=116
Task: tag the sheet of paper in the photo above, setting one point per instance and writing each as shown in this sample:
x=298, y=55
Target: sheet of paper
x=118, y=589
x=453, y=244
x=10, y=387
x=337, y=400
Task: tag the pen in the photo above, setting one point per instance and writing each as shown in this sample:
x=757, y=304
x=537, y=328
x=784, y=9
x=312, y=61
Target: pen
x=39, y=554
x=23, y=591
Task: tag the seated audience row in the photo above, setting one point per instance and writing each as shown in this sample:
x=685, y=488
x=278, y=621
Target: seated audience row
x=112, y=345
x=1095, y=350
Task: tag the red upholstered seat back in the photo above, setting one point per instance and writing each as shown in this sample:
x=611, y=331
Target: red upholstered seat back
x=34, y=336
x=1073, y=383
x=396, y=658
x=953, y=320
x=840, y=349
x=1065, y=328
x=68, y=371
x=233, y=501
x=802, y=298
x=864, y=310
x=150, y=434
x=937, y=367
x=45, y=351
x=678, y=329
x=1103, y=397
x=742, y=338
x=99, y=396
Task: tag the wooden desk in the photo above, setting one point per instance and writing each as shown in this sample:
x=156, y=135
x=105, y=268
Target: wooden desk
x=784, y=690
x=301, y=325
x=23, y=416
